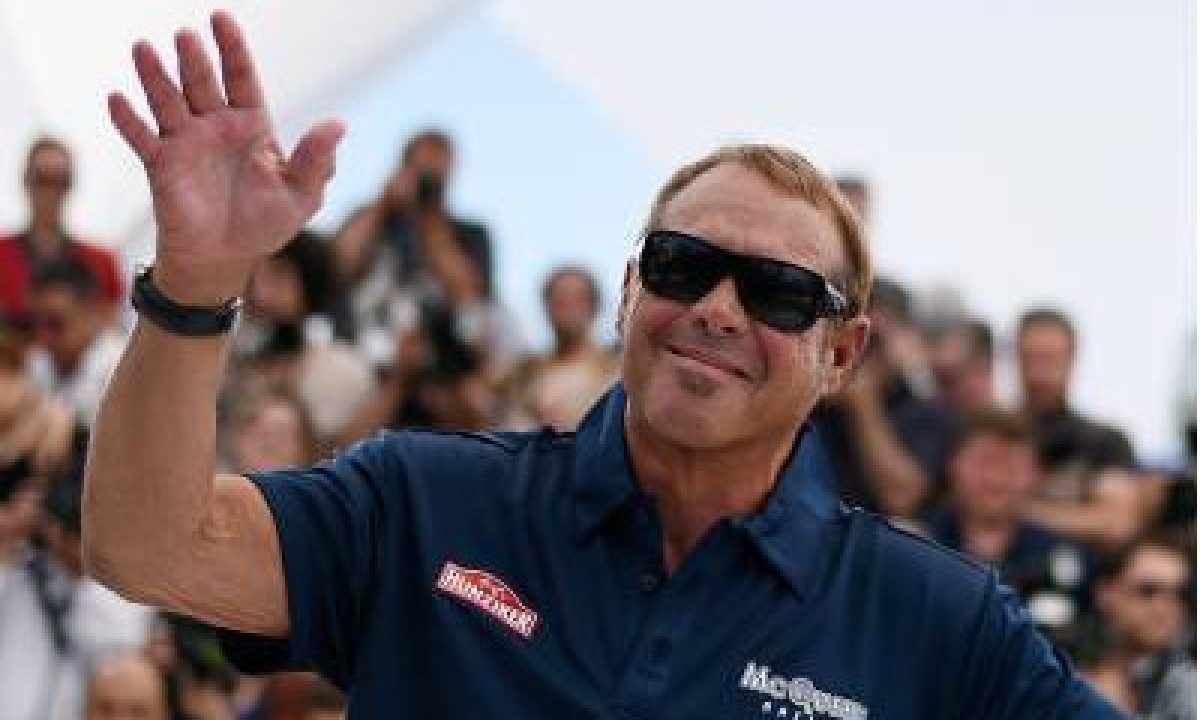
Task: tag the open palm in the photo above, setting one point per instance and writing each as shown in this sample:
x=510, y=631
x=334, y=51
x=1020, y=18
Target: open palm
x=224, y=195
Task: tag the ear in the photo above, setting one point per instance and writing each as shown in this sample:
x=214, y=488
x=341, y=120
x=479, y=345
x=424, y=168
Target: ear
x=629, y=285
x=847, y=341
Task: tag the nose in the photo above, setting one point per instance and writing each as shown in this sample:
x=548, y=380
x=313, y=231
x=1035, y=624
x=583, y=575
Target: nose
x=720, y=312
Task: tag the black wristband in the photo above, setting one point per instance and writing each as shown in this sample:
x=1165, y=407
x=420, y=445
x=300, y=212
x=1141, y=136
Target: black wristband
x=152, y=304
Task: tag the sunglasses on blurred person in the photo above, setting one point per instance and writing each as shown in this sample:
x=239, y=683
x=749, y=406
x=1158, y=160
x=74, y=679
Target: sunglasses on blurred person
x=786, y=297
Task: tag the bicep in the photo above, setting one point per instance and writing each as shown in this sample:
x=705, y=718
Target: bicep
x=231, y=573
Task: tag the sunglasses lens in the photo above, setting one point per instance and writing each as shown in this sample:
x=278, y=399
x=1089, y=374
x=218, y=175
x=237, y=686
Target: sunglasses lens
x=679, y=268
x=683, y=268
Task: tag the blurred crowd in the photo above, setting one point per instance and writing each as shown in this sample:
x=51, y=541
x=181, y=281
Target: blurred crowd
x=395, y=321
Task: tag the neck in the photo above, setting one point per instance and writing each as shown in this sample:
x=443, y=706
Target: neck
x=1123, y=658
x=45, y=235
x=568, y=347
x=987, y=537
x=1046, y=409
x=696, y=488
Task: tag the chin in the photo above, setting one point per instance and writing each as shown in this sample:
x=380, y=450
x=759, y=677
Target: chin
x=697, y=422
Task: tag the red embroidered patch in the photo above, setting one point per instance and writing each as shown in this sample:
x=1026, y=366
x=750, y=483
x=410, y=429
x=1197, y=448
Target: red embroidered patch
x=488, y=593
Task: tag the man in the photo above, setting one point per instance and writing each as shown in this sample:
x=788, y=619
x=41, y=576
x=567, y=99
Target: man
x=992, y=476
x=393, y=253
x=126, y=687
x=48, y=178
x=962, y=358
x=678, y=557
x=1091, y=489
x=1142, y=596
x=558, y=387
x=77, y=347
x=1067, y=441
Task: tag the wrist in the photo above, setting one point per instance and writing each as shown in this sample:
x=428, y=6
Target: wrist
x=200, y=288
x=177, y=318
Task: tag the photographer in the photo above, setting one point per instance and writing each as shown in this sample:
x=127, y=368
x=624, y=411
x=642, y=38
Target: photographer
x=384, y=250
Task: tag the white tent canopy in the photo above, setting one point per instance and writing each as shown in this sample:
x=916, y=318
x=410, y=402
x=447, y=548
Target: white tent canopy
x=60, y=59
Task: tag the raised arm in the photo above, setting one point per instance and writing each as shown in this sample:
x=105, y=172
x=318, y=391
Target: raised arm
x=158, y=525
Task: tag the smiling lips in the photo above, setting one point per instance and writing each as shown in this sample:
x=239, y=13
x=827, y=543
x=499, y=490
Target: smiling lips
x=709, y=358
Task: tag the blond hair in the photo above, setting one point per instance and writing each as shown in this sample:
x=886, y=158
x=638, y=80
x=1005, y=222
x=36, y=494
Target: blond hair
x=792, y=173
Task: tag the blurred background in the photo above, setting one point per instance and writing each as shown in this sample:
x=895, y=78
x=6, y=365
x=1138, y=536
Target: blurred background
x=1027, y=172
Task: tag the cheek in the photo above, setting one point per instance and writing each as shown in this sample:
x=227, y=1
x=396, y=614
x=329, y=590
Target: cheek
x=646, y=319
x=791, y=365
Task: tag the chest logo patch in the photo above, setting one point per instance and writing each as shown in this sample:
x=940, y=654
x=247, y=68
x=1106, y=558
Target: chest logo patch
x=797, y=698
x=489, y=594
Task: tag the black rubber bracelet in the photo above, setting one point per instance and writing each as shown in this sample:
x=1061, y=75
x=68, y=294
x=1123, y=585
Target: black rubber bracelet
x=152, y=304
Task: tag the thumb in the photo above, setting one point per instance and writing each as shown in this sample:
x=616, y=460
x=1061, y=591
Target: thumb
x=311, y=164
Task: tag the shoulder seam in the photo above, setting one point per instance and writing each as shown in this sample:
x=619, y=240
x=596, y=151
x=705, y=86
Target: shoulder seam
x=889, y=526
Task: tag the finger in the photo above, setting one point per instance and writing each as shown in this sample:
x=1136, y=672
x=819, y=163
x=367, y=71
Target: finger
x=312, y=162
x=196, y=73
x=166, y=102
x=138, y=135
x=237, y=67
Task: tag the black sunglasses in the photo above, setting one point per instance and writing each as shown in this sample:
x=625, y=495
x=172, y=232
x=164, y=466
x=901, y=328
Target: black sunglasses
x=786, y=297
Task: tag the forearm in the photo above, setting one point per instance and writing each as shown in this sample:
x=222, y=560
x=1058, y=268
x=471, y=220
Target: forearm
x=149, y=483
x=1108, y=520
x=898, y=481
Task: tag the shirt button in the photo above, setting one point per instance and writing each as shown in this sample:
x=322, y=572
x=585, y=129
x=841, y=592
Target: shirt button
x=648, y=581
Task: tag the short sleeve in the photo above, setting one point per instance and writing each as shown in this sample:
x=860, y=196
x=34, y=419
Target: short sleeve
x=330, y=519
x=1012, y=672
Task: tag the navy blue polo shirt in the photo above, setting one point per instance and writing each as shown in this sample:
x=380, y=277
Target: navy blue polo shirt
x=453, y=575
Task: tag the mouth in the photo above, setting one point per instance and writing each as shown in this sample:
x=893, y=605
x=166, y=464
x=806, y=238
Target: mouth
x=709, y=359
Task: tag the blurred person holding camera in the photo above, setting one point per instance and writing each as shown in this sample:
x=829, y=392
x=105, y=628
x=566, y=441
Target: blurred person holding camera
x=1146, y=599
x=384, y=250
x=49, y=175
x=556, y=388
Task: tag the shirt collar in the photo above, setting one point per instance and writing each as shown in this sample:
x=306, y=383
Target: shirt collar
x=791, y=532
x=603, y=480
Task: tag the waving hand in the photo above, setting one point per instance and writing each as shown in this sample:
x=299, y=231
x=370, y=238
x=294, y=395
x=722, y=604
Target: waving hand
x=225, y=196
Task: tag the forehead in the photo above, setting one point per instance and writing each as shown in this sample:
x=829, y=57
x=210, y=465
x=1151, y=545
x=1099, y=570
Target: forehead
x=1157, y=563
x=49, y=157
x=1046, y=333
x=739, y=209
x=429, y=151
x=569, y=282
